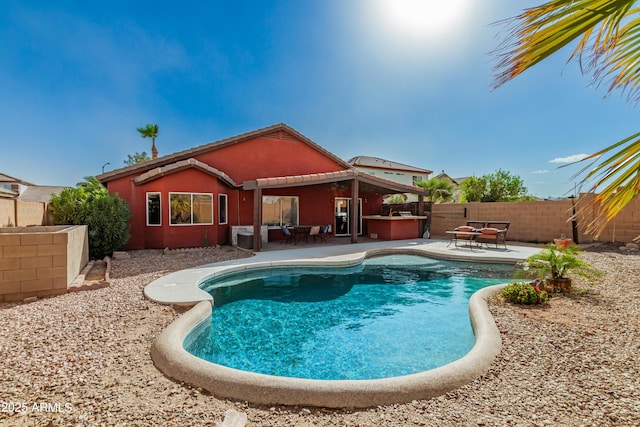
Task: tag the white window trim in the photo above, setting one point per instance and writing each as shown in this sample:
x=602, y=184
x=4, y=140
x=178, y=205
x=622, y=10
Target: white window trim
x=226, y=208
x=147, y=208
x=192, y=223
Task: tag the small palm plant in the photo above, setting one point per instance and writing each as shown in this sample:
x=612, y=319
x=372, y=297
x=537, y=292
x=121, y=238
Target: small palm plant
x=553, y=266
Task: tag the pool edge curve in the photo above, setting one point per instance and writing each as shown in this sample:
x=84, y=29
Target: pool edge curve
x=170, y=357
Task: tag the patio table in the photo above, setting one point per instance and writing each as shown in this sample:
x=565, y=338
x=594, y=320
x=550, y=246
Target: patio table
x=455, y=235
x=300, y=231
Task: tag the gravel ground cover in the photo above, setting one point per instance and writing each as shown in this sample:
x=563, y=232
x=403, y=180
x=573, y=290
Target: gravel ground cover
x=83, y=359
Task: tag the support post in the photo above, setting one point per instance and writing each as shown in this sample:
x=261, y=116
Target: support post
x=257, y=219
x=354, y=210
x=421, y=223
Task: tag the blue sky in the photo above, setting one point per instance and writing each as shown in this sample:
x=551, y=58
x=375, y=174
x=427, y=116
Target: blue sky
x=356, y=76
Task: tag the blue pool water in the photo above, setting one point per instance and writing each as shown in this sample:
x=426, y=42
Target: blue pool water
x=390, y=316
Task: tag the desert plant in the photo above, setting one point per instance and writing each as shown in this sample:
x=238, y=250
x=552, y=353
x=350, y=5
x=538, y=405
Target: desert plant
x=554, y=265
x=524, y=293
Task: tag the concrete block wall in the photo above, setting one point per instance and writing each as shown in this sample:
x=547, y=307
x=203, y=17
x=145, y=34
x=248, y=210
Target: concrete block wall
x=7, y=213
x=31, y=213
x=539, y=221
x=40, y=261
x=623, y=228
x=17, y=213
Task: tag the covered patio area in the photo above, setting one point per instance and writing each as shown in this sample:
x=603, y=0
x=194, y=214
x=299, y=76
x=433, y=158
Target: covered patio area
x=346, y=186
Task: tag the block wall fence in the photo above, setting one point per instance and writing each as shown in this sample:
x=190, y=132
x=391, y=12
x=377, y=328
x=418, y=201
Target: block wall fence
x=40, y=261
x=539, y=221
x=17, y=213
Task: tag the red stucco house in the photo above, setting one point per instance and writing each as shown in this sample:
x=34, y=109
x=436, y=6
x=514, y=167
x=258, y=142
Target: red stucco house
x=265, y=178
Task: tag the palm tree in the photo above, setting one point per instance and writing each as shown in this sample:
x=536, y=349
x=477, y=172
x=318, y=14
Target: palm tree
x=440, y=190
x=608, y=34
x=150, y=131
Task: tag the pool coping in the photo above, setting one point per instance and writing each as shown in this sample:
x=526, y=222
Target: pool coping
x=170, y=357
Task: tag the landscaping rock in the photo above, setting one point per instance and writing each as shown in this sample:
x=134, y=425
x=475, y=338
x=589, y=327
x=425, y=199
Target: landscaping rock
x=86, y=354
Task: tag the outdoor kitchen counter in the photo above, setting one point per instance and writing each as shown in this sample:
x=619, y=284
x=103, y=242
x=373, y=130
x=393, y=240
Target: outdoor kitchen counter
x=393, y=227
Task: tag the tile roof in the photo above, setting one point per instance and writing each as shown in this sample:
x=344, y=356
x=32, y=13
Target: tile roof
x=181, y=165
x=186, y=154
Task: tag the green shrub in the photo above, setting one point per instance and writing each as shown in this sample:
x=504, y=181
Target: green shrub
x=107, y=216
x=524, y=293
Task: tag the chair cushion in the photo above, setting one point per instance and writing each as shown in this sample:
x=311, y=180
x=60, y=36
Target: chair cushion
x=491, y=231
x=465, y=228
x=315, y=230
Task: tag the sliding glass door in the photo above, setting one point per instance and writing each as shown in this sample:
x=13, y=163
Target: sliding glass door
x=343, y=208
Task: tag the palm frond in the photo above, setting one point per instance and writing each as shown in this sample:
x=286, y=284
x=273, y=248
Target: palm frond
x=606, y=31
x=617, y=176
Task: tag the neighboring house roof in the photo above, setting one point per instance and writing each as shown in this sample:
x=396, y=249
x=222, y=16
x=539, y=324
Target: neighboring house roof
x=445, y=176
x=5, y=193
x=456, y=181
x=6, y=179
x=375, y=162
x=40, y=193
x=187, y=154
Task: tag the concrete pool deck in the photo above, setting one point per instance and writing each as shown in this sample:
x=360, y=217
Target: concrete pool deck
x=170, y=357
x=181, y=287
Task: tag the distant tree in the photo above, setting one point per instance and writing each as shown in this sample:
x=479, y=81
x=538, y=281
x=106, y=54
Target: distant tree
x=473, y=188
x=106, y=215
x=396, y=199
x=440, y=190
x=150, y=131
x=136, y=158
x=499, y=186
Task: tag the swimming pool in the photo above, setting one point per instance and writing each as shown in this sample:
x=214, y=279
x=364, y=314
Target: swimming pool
x=386, y=317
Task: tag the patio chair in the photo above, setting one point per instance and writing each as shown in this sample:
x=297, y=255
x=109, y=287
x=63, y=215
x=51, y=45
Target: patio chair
x=314, y=232
x=289, y=237
x=494, y=232
x=324, y=232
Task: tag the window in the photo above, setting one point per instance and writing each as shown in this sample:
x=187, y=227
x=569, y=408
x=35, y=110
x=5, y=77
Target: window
x=279, y=210
x=222, y=208
x=154, y=209
x=415, y=179
x=190, y=208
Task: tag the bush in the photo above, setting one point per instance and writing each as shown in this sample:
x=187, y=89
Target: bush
x=106, y=215
x=525, y=293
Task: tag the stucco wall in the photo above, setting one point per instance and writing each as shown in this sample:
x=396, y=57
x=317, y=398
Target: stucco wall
x=40, y=261
x=540, y=221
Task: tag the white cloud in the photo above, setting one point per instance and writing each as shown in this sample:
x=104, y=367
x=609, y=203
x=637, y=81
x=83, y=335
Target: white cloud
x=540, y=171
x=569, y=159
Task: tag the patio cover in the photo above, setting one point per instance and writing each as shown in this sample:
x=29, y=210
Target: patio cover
x=359, y=181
